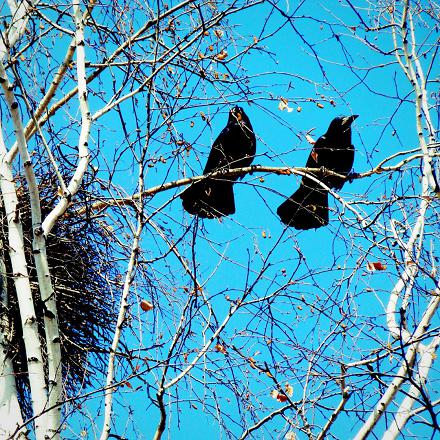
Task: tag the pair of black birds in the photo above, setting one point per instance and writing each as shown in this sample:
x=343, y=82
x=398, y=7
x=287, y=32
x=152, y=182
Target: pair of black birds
x=235, y=147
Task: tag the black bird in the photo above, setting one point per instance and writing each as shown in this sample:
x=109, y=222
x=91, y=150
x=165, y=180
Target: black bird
x=235, y=147
x=307, y=208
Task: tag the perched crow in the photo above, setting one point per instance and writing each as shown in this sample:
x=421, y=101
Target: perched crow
x=235, y=147
x=307, y=208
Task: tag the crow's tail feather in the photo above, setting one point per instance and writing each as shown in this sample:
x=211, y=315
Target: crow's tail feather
x=209, y=198
x=306, y=208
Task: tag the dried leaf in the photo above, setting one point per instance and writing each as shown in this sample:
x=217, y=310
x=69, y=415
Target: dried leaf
x=289, y=389
x=299, y=109
x=253, y=363
x=281, y=397
x=146, y=306
x=222, y=55
x=218, y=33
x=318, y=104
x=373, y=266
x=290, y=436
x=220, y=348
x=310, y=140
x=263, y=234
x=282, y=105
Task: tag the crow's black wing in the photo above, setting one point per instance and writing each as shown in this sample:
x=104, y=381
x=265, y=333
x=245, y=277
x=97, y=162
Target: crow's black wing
x=235, y=147
x=316, y=157
x=314, y=161
x=334, y=156
x=218, y=156
x=346, y=160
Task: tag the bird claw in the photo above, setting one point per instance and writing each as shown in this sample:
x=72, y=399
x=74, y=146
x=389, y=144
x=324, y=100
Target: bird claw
x=253, y=168
x=222, y=170
x=351, y=176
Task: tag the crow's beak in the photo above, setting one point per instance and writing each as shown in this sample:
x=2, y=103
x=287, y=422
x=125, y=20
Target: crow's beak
x=348, y=120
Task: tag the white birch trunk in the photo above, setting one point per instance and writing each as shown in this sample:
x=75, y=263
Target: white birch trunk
x=24, y=294
x=11, y=420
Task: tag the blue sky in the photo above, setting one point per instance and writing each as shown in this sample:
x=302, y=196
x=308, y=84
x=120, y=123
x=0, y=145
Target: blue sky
x=320, y=262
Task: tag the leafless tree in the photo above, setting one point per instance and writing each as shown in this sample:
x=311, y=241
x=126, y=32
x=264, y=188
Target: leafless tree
x=123, y=316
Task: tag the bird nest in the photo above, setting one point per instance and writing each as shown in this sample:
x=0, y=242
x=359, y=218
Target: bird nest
x=79, y=256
